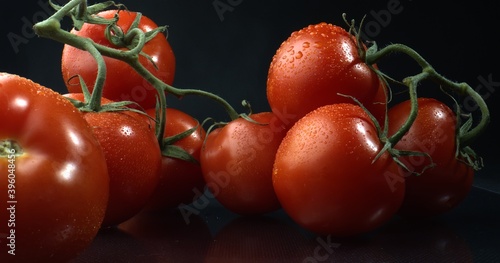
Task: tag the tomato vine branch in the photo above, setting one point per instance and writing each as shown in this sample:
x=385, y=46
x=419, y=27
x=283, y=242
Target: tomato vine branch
x=465, y=134
x=428, y=72
x=412, y=83
x=134, y=40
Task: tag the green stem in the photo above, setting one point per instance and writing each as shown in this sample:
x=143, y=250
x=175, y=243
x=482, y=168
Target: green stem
x=233, y=114
x=400, y=48
x=153, y=80
x=158, y=84
x=465, y=89
x=50, y=28
x=412, y=83
x=428, y=72
x=95, y=99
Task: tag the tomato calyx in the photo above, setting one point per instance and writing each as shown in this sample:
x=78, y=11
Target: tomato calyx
x=10, y=148
x=389, y=141
x=168, y=148
x=116, y=106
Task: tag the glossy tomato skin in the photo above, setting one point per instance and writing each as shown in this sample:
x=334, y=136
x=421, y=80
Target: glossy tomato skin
x=316, y=63
x=60, y=182
x=179, y=179
x=324, y=177
x=122, y=81
x=444, y=186
x=133, y=159
x=237, y=162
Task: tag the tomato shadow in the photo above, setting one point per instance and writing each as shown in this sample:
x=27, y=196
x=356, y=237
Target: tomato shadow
x=150, y=237
x=256, y=239
x=398, y=241
x=431, y=240
x=169, y=237
x=112, y=245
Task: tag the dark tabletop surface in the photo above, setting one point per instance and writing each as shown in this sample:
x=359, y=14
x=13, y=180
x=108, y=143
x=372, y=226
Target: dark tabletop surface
x=469, y=233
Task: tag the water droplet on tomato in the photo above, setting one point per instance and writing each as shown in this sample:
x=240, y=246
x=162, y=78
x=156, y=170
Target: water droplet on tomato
x=299, y=55
x=306, y=45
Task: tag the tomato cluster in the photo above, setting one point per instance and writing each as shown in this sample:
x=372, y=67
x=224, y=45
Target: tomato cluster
x=331, y=151
x=325, y=153
x=336, y=171
x=100, y=162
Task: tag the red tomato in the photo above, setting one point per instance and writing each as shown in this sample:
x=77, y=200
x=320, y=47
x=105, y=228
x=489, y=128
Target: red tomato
x=179, y=177
x=54, y=186
x=316, y=63
x=237, y=162
x=122, y=81
x=133, y=159
x=324, y=177
x=444, y=186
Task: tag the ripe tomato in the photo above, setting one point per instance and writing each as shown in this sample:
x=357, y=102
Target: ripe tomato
x=444, y=186
x=133, y=159
x=237, y=162
x=122, y=82
x=179, y=177
x=324, y=177
x=54, y=186
x=316, y=63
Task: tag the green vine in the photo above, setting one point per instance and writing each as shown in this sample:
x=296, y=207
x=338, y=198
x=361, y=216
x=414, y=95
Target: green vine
x=134, y=40
x=466, y=133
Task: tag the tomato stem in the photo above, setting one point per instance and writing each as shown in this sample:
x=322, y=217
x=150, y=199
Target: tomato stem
x=412, y=83
x=428, y=72
x=51, y=28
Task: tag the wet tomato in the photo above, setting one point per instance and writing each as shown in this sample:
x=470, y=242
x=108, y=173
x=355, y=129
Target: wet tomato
x=55, y=182
x=445, y=185
x=327, y=177
x=314, y=67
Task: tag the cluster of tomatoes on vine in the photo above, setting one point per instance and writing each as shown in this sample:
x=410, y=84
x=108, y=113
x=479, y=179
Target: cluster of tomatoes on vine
x=330, y=152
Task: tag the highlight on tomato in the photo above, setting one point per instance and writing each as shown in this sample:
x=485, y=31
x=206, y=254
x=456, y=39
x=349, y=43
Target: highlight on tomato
x=55, y=183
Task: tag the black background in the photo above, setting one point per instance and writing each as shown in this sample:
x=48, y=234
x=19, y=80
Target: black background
x=228, y=52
